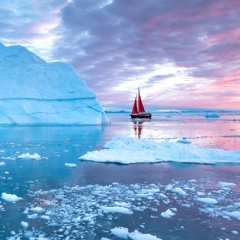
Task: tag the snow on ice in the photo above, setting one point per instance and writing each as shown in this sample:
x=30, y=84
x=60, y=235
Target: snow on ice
x=24, y=224
x=71, y=165
x=10, y=197
x=116, y=210
x=120, y=232
x=2, y=164
x=207, y=200
x=169, y=213
x=43, y=93
x=136, y=235
x=29, y=156
x=126, y=150
x=74, y=212
x=228, y=185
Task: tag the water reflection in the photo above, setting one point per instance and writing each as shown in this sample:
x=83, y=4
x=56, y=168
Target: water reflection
x=56, y=145
x=138, y=126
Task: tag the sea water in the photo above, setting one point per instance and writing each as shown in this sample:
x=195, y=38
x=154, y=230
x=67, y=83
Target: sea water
x=111, y=201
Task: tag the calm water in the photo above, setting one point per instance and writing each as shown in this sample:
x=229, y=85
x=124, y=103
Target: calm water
x=60, y=145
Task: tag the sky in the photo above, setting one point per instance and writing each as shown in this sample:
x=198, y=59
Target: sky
x=181, y=54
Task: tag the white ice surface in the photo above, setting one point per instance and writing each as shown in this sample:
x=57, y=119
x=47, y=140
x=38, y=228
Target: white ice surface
x=120, y=232
x=24, y=224
x=29, y=156
x=37, y=209
x=10, y=197
x=226, y=184
x=122, y=210
x=136, y=235
x=168, y=213
x=123, y=233
x=126, y=150
x=233, y=214
x=77, y=211
x=71, y=165
x=207, y=200
x=43, y=93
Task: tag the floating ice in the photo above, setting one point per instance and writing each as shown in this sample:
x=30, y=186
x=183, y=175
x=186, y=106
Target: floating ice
x=45, y=217
x=72, y=165
x=226, y=184
x=2, y=164
x=207, y=200
x=32, y=216
x=29, y=156
x=80, y=212
x=120, y=232
x=8, y=158
x=169, y=213
x=116, y=210
x=126, y=150
x=37, y=209
x=180, y=191
x=10, y=197
x=24, y=224
x=136, y=235
x=234, y=214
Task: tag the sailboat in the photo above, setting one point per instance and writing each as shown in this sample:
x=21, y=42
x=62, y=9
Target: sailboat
x=138, y=110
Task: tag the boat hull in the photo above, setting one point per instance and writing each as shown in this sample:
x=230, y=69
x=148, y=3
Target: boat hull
x=144, y=115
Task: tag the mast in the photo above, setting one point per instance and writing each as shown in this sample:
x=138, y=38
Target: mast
x=140, y=104
x=134, y=109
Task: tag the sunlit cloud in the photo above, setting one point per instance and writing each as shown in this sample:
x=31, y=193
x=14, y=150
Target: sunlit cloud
x=180, y=55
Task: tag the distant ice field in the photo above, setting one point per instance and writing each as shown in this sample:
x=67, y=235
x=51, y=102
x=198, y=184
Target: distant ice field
x=48, y=193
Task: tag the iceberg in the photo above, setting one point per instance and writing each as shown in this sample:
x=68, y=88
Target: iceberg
x=34, y=92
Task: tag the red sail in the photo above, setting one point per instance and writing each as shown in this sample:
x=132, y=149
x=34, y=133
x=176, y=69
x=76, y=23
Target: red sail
x=140, y=104
x=134, y=109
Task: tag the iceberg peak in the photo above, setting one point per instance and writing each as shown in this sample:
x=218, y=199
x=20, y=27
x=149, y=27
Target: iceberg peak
x=17, y=51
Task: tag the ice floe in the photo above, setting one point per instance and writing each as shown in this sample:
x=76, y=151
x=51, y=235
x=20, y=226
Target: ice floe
x=120, y=232
x=71, y=165
x=126, y=150
x=207, y=200
x=136, y=235
x=29, y=156
x=179, y=191
x=226, y=184
x=24, y=224
x=75, y=212
x=233, y=214
x=116, y=210
x=37, y=209
x=169, y=213
x=10, y=197
x=123, y=233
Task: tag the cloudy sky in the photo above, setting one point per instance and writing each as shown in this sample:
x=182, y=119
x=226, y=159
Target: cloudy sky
x=181, y=53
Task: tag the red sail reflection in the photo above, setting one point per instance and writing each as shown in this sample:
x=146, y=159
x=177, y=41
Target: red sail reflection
x=138, y=126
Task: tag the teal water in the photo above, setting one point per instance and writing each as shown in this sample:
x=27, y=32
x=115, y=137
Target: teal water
x=39, y=182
